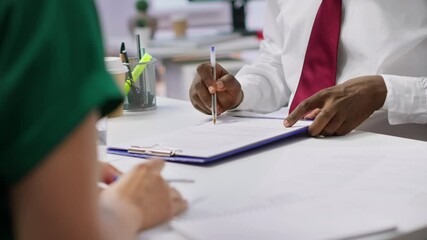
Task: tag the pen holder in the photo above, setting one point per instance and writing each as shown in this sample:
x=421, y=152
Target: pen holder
x=141, y=81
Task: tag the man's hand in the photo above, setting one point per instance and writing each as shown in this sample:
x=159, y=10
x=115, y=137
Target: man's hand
x=229, y=92
x=340, y=109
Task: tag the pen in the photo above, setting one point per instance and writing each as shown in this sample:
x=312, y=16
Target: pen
x=125, y=59
x=213, y=64
x=103, y=185
x=138, y=46
x=180, y=180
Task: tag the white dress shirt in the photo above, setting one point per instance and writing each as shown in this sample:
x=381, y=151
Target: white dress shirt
x=378, y=37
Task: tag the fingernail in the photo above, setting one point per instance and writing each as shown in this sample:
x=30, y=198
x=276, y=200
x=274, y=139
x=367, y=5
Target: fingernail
x=220, y=85
x=287, y=124
x=115, y=178
x=211, y=90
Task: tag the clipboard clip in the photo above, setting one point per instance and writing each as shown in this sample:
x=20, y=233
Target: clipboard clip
x=155, y=150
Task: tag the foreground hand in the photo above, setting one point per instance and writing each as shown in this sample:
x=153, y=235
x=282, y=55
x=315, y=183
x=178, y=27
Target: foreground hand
x=144, y=197
x=340, y=109
x=229, y=92
x=108, y=173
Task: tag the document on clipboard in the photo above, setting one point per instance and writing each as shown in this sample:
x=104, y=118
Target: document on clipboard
x=207, y=142
x=279, y=114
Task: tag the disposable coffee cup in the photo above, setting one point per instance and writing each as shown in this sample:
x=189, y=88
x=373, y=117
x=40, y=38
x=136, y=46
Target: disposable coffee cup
x=179, y=26
x=115, y=67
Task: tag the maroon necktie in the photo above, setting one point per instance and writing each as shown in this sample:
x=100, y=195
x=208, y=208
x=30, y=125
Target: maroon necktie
x=320, y=63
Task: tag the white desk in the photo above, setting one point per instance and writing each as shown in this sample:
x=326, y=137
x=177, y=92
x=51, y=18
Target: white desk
x=267, y=170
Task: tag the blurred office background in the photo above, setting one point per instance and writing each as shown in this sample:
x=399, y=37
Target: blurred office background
x=177, y=64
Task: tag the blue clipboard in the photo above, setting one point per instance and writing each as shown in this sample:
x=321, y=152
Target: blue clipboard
x=173, y=156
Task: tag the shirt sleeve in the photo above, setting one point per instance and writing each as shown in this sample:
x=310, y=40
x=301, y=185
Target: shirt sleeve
x=406, y=99
x=53, y=76
x=263, y=82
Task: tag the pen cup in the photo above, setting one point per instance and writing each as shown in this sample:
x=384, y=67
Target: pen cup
x=142, y=85
x=115, y=67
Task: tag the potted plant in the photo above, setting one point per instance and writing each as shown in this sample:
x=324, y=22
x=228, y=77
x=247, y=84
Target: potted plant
x=142, y=23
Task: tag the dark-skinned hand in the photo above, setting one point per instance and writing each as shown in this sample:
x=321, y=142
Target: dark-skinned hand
x=228, y=89
x=340, y=109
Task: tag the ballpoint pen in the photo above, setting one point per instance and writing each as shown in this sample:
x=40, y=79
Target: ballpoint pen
x=125, y=59
x=138, y=46
x=213, y=64
x=140, y=55
x=103, y=185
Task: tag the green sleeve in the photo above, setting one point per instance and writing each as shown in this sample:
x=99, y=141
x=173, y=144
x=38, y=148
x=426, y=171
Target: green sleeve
x=52, y=75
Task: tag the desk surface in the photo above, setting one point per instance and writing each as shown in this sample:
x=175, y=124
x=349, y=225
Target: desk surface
x=268, y=170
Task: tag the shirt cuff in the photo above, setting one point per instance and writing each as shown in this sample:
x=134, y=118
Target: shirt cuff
x=406, y=99
x=249, y=89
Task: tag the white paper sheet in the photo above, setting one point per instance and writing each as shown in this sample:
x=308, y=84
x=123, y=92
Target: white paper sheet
x=280, y=114
x=207, y=140
x=276, y=218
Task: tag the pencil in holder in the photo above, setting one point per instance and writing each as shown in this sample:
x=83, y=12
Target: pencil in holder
x=140, y=85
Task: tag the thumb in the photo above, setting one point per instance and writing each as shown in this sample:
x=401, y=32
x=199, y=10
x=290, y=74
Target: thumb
x=228, y=83
x=155, y=165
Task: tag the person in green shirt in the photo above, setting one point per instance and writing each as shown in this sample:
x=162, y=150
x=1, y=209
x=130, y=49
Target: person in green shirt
x=53, y=88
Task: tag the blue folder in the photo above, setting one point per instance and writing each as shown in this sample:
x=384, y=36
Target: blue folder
x=176, y=156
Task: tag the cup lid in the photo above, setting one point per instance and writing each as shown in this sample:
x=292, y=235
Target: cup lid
x=114, y=65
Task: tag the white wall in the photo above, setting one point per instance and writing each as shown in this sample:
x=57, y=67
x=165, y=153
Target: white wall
x=114, y=14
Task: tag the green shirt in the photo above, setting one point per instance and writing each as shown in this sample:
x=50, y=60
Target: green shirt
x=52, y=75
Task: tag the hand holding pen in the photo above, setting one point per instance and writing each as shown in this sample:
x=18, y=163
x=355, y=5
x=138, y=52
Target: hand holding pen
x=143, y=195
x=226, y=87
x=109, y=174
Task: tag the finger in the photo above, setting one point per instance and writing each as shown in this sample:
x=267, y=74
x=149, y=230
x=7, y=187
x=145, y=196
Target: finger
x=304, y=107
x=178, y=203
x=156, y=165
x=332, y=126
x=174, y=194
x=228, y=83
x=220, y=71
x=205, y=72
x=202, y=110
x=205, y=97
x=200, y=106
x=308, y=105
x=109, y=173
x=312, y=115
x=199, y=93
x=220, y=109
x=179, y=206
x=230, y=93
x=345, y=128
x=322, y=119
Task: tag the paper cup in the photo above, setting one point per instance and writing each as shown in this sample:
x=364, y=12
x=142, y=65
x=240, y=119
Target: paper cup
x=179, y=25
x=115, y=67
